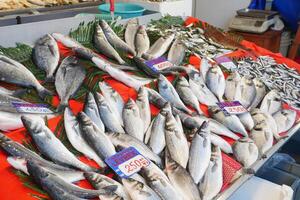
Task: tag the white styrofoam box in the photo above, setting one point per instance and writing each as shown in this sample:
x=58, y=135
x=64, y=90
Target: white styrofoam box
x=260, y=189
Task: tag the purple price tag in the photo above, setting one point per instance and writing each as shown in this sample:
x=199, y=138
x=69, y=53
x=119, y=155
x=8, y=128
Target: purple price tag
x=225, y=62
x=232, y=107
x=159, y=64
x=32, y=108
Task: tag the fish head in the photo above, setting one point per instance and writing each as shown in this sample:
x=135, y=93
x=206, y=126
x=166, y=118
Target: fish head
x=35, y=125
x=171, y=123
x=142, y=93
x=100, y=100
x=247, y=80
x=245, y=140
x=258, y=83
x=84, y=119
x=203, y=130
x=36, y=170
x=142, y=30
x=104, y=25
x=182, y=82
x=99, y=31
x=213, y=110
x=130, y=105
x=89, y=99
x=234, y=76
x=166, y=109
x=163, y=81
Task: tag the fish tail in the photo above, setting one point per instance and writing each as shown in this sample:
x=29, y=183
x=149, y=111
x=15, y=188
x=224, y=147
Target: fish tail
x=43, y=92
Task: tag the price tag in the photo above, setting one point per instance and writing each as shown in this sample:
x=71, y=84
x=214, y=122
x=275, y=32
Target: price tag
x=32, y=108
x=127, y=162
x=159, y=64
x=232, y=108
x=226, y=62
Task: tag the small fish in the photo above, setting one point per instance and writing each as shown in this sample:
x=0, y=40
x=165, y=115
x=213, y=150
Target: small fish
x=142, y=102
x=46, y=55
x=177, y=52
x=133, y=123
x=285, y=119
x=65, y=82
x=262, y=136
x=233, y=87
x=271, y=102
x=246, y=120
x=215, y=81
x=261, y=91
x=200, y=153
x=204, y=67
x=245, y=151
x=186, y=94
x=66, y=40
x=248, y=92
x=114, y=39
x=131, y=30
x=142, y=42
x=220, y=142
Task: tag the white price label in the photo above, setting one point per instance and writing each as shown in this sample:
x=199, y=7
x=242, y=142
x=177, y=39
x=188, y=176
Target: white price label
x=133, y=165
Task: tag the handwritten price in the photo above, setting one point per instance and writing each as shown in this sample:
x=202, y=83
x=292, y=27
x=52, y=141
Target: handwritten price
x=235, y=109
x=133, y=165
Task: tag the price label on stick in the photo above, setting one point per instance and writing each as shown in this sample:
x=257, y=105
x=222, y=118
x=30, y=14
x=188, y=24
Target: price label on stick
x=127, y=162
x=232, y=107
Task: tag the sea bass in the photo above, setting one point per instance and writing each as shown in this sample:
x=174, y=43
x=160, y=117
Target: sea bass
x=176, y=53
x=143, y=104
x=220, y=142
x=204, y=67
x=142, y=42
x=131, y=31
x=215, y=81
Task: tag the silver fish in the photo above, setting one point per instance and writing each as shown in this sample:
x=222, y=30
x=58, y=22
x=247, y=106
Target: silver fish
x=220, y=142
x=66, y=40
x=104, y=47
x=186, y=94
x=131, y=31
x=77, y=139
x=142, y=102
x=114, y=40
x=142, y=42
x=154, y=169
x=285, y=119
x=248, y=92
x=233, y=87
x=46, y=55
x=246, y=120
x=133, y=123
x=168, y=92
x=215, y=81
x=204, y=67
x=65, y=82
x=108, y=117
x=200, y=152
x=262, y=136
x=7, y=103
x=177, y=52
x=271, y=102
x=245, y=151
x=92, y=111
x=50, y=146
x=261, y=91
x=14, y=72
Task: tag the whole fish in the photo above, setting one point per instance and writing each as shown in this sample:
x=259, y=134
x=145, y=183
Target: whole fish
x=212, y=181
x=69, y=77
x=96, y=138
x=181, y=179
x=200, y=153
x=142, y=42
x=233, y=86
x=262, y=136
x=186, y=94
x=133, y=123
x=131, y=31
x=232, y=121
x=176, y=141
x=160, y=47
x=100, y=181
x=66, y=40
x=220, y=142
x=143, y=104
x=114, y=40
x=153, y=169
x=204, y=67
x=46, y=55
x=138, y=190
x=215, y=81
x=248, y=92
x=114, y=100
x=246, y=120
x=176, y=53
x=261, y=91
x=50, y=146
x=108, y=117
x=14, y=72
x=245, y=151
x=121, y=140
x=271, y=102
x=168, y=92
x=198, y=87
x=92, y=111
x=103, y=46
x=285, y=119
x=77, y=139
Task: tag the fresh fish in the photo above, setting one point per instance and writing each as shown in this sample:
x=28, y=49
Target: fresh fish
x=248, y=92
x=261, y=91
x=142, y=42
x=65, y=82
x=77, y=138
x=92, y=111
x=176, y=141
x=20, y=154
x=160, y=47
x=220, y=142
x=215, y=81
x=186, y=94
x=154, y=169
x=178, y=120
x=198, y=87
x=271, y=102
x=133, y=123
x=46, y=55
x=245, y=151
x=14, y=72
x=138, y=190
x=131, y=31
x=181, y=179
x=114, y=40
x=121, y=140
x=114, y=100
x=6, y=103
x=103, y=46
x=50, y=182
x=233, y=87
x=204, y=67
x=100, y=181
x=177, y=52
x=262, y=136
x=246, y=120
x=50, y=146
x=212, y=181
x=66, y=40
x=108, y=117
x=232, y=121
x=168, y=92
x=200, y=153
x=285, y=119
x=143, y=104
x=84, y=53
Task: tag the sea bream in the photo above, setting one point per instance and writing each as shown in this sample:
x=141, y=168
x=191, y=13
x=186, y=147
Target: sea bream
x=143, y=104
x=131, y=31
x=262, y=136
x=142, y=42
x=261, y=92
x=233, y=86
x=246, y=119
x=248, y=92
x=220, y=142
x=215, y=81
x=176, y=53
x=271, y=102
x=285, y=119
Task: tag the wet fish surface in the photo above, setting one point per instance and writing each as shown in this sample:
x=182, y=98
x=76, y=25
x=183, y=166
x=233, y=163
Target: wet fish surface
x=131, y=31
x=142, y=42
x=285, y=119
x=143, y=104
x=176, y=53
x=245, y=151
x=215, y=81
